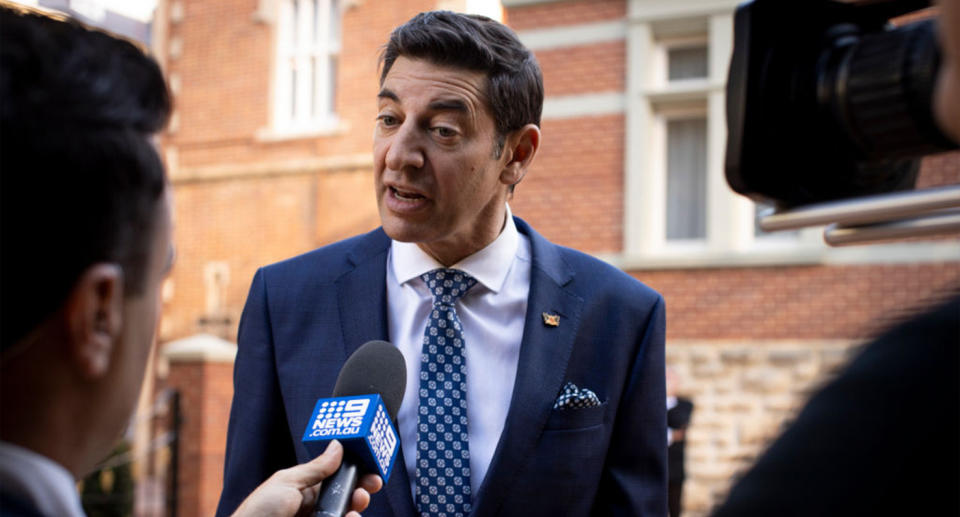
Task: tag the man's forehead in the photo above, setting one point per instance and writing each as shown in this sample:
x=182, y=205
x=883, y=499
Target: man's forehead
x=442, y=87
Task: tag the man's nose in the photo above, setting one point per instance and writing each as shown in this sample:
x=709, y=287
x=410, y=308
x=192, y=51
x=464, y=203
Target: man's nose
x=406, y=147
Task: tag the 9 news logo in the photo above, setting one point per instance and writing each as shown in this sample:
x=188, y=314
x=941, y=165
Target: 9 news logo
x=337, y=418
x=383, y=439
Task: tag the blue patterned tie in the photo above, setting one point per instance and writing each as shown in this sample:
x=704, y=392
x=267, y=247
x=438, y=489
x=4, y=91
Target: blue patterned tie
x=443, y=453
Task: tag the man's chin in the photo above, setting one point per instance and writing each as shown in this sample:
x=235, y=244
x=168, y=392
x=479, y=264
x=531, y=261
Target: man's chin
x=404, y=231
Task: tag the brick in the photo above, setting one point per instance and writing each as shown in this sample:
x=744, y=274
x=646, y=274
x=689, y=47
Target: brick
x=569, y=12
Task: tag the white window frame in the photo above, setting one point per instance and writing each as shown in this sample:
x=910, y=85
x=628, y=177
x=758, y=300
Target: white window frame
x=656, y=27
x=661, y=60
x=313, y=110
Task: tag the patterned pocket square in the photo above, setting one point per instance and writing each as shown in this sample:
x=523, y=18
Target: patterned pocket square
x=572, y=397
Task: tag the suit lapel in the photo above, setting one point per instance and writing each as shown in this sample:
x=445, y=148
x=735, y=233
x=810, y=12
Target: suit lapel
x=361, y=293
x=544, y=353
x=362, y=300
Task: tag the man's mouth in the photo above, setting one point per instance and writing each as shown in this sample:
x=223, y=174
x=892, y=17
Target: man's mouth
x=406, y=195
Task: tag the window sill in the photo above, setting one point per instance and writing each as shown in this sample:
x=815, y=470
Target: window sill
x=682, y=91
x=801, y=254
x=272, y=134
x=709, y=259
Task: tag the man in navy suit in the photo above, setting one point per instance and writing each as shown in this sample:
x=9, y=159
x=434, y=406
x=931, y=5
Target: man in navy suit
x=535, y=372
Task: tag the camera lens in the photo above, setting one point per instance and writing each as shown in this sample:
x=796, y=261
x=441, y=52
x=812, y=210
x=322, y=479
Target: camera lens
x=881, y=93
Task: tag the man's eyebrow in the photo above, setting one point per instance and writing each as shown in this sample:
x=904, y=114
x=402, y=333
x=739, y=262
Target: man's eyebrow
x=387, y=94
x=449, y=105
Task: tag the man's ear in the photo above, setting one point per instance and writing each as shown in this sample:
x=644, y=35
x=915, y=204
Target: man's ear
x=94, y=313
x=520, y=148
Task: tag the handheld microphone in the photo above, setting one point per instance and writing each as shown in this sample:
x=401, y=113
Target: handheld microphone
x=360, y=415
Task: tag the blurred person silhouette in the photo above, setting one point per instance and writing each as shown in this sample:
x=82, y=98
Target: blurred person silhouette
x=679, y=411
x=882, y=438
x=86, y=244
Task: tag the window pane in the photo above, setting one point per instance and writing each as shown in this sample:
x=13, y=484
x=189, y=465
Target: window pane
x=334, y=25
x=686, y=179
x=332, y=88
x=294, y=22
x=315, y=38
x=307, y=82
x=293, y=91
x=313, y=87
x=687, y=63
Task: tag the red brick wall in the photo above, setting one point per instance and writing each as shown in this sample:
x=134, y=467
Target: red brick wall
x=573, y=194
x=253, y=222
x=220, y=67
x=939, y=170
x=802, y=302
x=570, y=12
x=598, y=67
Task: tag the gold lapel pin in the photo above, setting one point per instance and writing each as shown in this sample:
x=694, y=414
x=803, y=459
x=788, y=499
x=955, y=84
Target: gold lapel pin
x=551, y=320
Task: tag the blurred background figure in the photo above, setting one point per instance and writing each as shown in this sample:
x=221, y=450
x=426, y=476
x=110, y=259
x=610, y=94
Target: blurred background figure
x=679, y=411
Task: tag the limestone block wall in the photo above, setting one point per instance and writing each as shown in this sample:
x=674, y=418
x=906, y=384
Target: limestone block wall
x=744, y=393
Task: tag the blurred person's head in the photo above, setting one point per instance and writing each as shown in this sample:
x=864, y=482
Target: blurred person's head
x=458, y=126
x=85, y=225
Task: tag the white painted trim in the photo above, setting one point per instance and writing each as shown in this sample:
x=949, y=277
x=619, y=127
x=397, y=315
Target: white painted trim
x=638, y=191
x=683, y=91
x=573, y=35
x=909, y=253
x=202, y=348
x=642, y=11
x=767, y=343
x=333, y=126
x=903, y=253
x=519, y=3
x=266, y=12
x=583, y=105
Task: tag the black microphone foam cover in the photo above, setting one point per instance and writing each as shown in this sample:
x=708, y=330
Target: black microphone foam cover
x=377, y=367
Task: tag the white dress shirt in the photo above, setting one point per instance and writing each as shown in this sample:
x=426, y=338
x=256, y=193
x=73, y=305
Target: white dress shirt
x=39, y=481
x=492, y=314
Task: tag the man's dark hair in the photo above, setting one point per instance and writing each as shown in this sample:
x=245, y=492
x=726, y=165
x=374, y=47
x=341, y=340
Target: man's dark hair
x=80, y=179
x=473, y=42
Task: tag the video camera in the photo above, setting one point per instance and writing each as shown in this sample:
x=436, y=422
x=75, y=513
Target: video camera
x=829, y=101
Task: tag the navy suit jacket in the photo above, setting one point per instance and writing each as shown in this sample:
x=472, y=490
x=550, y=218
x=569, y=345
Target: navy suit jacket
x=306, y=315
x=12, y=506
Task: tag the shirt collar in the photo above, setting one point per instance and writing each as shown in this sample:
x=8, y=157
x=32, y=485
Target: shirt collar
x=38, y=480
x=488, y=266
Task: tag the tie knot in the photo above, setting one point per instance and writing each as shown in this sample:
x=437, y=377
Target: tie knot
x=447, y=285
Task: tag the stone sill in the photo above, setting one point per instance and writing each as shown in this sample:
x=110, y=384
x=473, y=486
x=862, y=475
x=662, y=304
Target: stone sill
x=902, y=253
x=201, y=348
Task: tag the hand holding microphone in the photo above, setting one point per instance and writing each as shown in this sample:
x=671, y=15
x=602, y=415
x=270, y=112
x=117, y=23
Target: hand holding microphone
x=354, y=431
x=293, y=491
